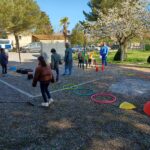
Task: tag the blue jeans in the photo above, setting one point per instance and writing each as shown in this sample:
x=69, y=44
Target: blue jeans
x=57, y=74
x=44, y=90
x=104, y=60
x=68, y=67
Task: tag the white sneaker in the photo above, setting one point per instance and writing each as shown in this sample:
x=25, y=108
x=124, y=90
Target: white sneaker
x=51, y=100
x=45, y=104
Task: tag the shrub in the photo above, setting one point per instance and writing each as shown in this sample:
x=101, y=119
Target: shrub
x=148, y=60
x=117, y=56
x=147, y=47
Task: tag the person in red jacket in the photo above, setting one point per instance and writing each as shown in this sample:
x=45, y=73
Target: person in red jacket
x=43, y=74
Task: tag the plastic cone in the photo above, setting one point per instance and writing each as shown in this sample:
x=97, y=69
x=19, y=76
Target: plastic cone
x=147, y=108
x=102, y=67
x=97, y=68
x=127, y=106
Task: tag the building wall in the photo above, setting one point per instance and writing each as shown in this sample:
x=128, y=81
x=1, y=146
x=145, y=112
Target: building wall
x=23, y=39
x=26, y=39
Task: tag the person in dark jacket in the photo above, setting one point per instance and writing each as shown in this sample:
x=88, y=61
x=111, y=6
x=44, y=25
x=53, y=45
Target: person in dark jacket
x=55, y=61
x=68, y=59
x=3, y=61
x=43, y=74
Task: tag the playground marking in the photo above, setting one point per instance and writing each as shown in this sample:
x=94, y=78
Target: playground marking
x=17, y=89
x=32, y=96
x=63, y=89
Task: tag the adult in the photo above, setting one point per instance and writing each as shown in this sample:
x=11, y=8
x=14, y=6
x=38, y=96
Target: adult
x=68, y=60
x=104, y=53
x=55, y=61
x=43, y=74
x=3, y=61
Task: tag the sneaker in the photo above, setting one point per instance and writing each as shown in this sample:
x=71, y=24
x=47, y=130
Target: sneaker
x=45, y=104
x=51, y=100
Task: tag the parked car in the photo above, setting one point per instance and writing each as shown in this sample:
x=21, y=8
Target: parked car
x=77, y=49
x=6, y=44
x=34, y=47
x=114, y=47
x=93, y=47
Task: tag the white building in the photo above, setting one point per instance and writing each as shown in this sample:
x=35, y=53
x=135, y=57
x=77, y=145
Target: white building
x=25, y=39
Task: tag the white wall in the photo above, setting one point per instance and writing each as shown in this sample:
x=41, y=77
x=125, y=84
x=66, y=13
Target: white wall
x=46, y=48
x=23, y=39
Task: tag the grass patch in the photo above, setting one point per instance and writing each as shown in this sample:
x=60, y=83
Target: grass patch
x=135, y=57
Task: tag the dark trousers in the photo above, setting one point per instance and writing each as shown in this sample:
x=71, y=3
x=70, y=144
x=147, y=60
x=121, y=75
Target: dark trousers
x=4, y=68
x=57, y=73
x=44, y=90
x=104, y=60
x=80, y=63
x=89, y=61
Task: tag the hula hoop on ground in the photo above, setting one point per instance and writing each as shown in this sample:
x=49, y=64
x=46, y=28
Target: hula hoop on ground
x=70, y=86
x=88, y=92
x=93, y=98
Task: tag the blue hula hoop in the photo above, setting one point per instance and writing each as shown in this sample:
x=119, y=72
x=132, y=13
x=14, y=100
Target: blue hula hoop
x=89, y=92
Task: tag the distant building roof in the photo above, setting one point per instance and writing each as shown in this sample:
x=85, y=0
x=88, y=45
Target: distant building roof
x=147, y=35
x=48, y=37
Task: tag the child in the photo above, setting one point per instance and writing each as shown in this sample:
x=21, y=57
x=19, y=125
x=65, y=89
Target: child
x=43, y=74
x=80, y=59
x=3, y=61
x=89, y=59
x=86, y=58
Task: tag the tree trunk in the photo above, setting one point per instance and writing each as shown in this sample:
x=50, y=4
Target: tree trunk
x=123, y=49
x=121, y=54
x=65, y=39
x=17, y=46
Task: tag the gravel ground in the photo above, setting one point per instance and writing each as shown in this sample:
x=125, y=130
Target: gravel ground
x=74, y=122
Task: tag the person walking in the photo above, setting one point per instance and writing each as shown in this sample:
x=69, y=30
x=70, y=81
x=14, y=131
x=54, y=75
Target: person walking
x=43, y=74
x=55, y=61
x=68, y=60
x=104, y=53
x=3, y=61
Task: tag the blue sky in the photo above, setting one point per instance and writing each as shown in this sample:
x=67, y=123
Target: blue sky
x=57, y=9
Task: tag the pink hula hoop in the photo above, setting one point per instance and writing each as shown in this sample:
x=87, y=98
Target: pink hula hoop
x=93, y=98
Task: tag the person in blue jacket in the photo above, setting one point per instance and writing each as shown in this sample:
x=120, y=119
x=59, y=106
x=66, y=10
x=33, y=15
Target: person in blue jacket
x=68, y=60
x=3, y=61
x=104, y=53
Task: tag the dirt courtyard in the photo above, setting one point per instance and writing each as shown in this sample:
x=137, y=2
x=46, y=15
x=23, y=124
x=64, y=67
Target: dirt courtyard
x=73, y=121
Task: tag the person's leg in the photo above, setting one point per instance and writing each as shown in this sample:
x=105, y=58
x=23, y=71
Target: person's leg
x=42, y=87
x=83, y=63
x=86, y=62
x=57, y=74
x=70, y=67
x=103, y=60
x=47, y=90
x=106, y=61
x=79, y=62
x=3, y=69
x=66, y=69
x=90, y=62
